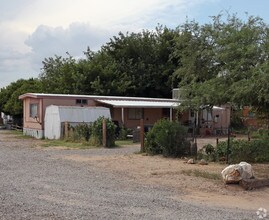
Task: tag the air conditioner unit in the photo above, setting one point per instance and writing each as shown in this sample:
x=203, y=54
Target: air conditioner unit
x=177, y=94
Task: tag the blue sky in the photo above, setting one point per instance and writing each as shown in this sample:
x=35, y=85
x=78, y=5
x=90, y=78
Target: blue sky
x=32, y=30
x=256, y=8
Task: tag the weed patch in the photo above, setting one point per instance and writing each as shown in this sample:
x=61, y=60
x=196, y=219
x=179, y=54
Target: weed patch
x=203, y=174
x=67, y=144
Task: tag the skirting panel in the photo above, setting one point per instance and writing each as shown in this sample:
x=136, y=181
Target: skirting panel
x=33, y=132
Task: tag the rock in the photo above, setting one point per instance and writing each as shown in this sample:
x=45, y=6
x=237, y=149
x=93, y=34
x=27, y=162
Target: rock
x=236, y=172
x=247, y=172
x=203, y=162
x=231, y=174
x=249, y=184
x=191, y=161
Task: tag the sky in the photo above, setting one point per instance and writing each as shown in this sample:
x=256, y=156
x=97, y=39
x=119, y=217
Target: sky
x=32, y=30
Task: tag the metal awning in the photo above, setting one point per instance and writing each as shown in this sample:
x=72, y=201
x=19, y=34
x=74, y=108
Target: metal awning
x=140, y=104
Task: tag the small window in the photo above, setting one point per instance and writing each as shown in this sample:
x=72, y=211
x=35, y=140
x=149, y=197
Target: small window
x=135, y=113
x=81, y=101
x=192, y=114
x=251, y=114
x=166, y=113
x=33, y=110
x=216, y=119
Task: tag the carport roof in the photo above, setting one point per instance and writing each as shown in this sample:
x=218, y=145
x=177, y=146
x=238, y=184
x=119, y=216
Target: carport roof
x=140, y=104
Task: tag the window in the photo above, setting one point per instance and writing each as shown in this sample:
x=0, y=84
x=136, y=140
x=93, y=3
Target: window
x=33, y=110
x=192, y=114
x=166, y=113
x=81, y=101
x=216, y=119
x=251, y=114
x=135, y=113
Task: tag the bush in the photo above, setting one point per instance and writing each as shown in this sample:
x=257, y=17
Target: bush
x=243, y=150
x=167, y=138
x=207, y=152
x=261, y=150
x=81, y=132
x=221, y=150
x=123, y=132
x=261, y=134
x=151, y=146
x=97, y=131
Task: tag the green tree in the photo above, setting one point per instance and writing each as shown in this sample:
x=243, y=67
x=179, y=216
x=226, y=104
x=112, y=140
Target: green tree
x=228, y=62
x=144, y=59
x=60, y=75
x=9, y=102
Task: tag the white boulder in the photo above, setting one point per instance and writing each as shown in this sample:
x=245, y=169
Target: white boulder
x=236, y=172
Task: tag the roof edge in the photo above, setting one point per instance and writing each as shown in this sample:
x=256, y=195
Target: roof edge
x=46, y=95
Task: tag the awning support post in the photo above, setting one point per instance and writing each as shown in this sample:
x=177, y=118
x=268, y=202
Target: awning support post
x=122, y=116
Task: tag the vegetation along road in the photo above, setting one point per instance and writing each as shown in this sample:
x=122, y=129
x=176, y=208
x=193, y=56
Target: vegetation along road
x=42, y=183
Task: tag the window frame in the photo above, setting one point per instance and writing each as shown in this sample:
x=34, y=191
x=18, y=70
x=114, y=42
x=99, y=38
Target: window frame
x=34, y=112
x=81, y=101
x=135, y=113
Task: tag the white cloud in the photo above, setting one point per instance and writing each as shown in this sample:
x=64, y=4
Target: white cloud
x=13, y=66
x=100, y=13
x=48, y=40
x=32, y=30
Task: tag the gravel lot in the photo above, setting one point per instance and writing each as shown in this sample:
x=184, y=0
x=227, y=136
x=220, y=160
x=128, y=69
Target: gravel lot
x=38, y=183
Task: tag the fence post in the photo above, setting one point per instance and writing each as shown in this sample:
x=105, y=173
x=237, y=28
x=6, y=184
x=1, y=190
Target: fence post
x=142, y=135
x=66, y=130
x=104, y=133
x=228, y=145
x=248, y=135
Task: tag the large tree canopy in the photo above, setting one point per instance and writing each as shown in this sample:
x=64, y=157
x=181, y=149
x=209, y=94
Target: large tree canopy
x=223, y=61
x=229, y=62
x=9, y=102
x=136, y=64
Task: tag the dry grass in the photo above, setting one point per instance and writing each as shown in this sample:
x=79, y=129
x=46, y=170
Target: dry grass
x=261, y=171
x=203, y=174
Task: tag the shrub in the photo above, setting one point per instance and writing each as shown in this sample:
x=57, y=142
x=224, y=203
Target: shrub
x=151, y=146
x=261, y=134
x=207, y=153
x=243, y=150
x=221, y=150
x=261, y=150
x=167, y=138
x=123, y=132
x=209, y=149
x=81, y=132
x=97, y=131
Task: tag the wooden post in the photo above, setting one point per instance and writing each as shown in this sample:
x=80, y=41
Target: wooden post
x=228, y=146
x=142, y=135
x=65, y=129
x=104, y=133
x=217, y=141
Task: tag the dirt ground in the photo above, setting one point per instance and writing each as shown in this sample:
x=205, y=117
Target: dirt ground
x=198, y=183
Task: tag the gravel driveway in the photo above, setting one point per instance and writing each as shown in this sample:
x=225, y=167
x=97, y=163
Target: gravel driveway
x=35, y=183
